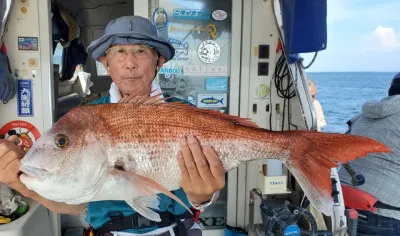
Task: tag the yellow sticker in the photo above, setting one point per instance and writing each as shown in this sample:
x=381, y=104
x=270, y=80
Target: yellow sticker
x=256, y=51
x=262, y=91
x=32, y=62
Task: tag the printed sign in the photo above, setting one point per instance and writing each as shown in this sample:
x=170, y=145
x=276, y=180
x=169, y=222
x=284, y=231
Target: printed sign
x=212, y=100
x=217, y=84
x=209, y=51
x=26, y=132
x=181, y=49
x=219, y=15
x=210, y=29
x=24, y=99
x=28, y=43
x=169, y=71
x=261, y=91
x=191, y=14
x=160, y=18
x=205, y=70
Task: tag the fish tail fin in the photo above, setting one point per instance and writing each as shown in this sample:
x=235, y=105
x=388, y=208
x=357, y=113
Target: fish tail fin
x=315, y=153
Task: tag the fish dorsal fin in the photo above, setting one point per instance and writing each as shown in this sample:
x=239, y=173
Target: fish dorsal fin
x=144, y=99
x=157, y=99
x=236, y=119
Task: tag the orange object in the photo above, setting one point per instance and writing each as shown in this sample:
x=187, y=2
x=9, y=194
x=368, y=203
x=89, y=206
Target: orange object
x=358, y=199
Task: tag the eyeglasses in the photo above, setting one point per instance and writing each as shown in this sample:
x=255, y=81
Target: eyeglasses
x=120, y=53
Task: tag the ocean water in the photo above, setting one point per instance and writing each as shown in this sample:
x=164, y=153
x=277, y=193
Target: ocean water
x=342, y=94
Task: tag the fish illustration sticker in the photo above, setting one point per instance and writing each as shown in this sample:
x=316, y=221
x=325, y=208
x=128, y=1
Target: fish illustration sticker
x=160, y=18
x=212, y=100
x=209, y=51
x=26, y=132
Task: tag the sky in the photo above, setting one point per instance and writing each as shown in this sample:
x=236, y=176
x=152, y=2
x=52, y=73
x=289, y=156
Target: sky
x=363, y=35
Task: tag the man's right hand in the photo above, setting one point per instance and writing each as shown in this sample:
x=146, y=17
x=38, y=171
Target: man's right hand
x=10, y=156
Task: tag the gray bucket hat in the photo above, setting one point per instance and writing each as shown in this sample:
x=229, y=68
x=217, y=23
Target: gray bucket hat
x=130, y=30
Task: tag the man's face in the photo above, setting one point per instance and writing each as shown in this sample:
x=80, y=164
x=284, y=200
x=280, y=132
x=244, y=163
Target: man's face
x=132, y=67
x=313, y=91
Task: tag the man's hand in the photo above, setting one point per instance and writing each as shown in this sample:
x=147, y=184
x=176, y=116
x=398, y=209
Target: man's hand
x=10, y=155
x=202, y=171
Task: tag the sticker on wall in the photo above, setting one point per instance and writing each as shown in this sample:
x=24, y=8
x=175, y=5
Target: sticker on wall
x=219, y=15
x=26, y=132
x=160, y=18
x=192, y=99
x=24, y=98
x=209, y=51
x=212, y=100
x=169, y=71
x=181, y=49
x=210, y=29
x=191, y=14
x=28, y=43
x=261, y=91
x=32, y=62
x=217, y=84
x=205, y=70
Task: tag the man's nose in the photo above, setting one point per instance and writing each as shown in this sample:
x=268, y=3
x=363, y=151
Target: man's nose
x=131, y=61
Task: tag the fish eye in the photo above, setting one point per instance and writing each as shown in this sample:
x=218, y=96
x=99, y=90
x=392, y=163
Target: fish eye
x=61, y=140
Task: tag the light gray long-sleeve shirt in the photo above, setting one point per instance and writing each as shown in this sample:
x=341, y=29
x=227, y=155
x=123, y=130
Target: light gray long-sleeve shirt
x=380, y=120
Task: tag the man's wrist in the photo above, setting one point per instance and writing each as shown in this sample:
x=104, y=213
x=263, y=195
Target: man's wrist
x=202, y=206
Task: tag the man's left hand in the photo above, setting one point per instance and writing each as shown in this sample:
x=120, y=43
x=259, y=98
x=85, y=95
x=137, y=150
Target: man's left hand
x=202, y=171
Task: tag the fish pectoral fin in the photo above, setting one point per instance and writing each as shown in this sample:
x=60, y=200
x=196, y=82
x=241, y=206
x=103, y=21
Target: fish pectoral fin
x=148, y=187
x=144, y=206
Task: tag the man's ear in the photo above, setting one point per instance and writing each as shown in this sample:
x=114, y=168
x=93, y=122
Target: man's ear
x=103, y=61
x=161, y=61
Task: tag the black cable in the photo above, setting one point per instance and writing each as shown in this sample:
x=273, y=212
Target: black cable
x=312, y=61
x=281, y=74
x=101, y=5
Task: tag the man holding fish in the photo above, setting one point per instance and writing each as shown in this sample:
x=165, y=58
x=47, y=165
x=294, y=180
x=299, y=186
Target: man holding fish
x=132, y=53
x=120, y=154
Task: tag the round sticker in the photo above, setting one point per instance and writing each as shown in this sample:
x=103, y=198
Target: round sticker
x=26, y=132
x=219, y=15
x=292, y=230
x=209, y=51
x=262, y=90
x=160, y=18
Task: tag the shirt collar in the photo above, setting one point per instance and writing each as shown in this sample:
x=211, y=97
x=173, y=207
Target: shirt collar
x=115, y=94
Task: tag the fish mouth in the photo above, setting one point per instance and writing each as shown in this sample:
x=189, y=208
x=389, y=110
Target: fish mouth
x=34, y=172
